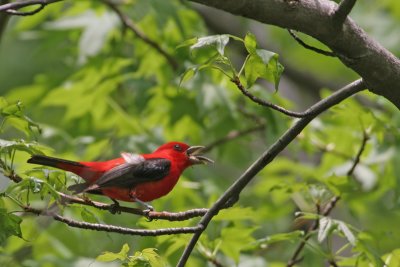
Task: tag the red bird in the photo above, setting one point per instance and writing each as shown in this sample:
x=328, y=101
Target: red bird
x=133, y=177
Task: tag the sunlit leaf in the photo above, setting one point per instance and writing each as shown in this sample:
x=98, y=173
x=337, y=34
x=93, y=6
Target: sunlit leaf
x=263, y=64
x=111, y=256
x=218, y=41
x=250, y=43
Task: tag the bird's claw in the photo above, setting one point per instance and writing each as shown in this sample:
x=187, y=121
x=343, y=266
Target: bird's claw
x=146, y=213
x=114, y=208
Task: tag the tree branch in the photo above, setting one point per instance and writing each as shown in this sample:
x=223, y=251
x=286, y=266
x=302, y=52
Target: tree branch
x=152, y=215
x=127, y=22
x=232, y=193
x=379, y=68
x=112, y=228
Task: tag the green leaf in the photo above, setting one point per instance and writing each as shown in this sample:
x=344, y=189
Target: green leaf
x=14, y=116
x=187, y=75
x=250, y=43
x=9, y=225
x=111, y=256
x=218, y=41
x=21, y=145
x=154, y=259
x=263, y=64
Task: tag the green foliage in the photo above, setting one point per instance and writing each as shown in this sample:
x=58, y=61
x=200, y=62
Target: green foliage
x=145, y=258
x=88, y=89
x=10, y=224
x=259, y=63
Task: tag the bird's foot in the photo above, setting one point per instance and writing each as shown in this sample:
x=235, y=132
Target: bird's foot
x=114, y=208
x=149, y=208
x=146, y=213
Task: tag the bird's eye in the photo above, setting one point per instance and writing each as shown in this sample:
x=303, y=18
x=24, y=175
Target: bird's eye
x=177, y=147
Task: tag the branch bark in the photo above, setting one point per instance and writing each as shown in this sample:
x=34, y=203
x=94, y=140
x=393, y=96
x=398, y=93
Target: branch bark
x=379, y=68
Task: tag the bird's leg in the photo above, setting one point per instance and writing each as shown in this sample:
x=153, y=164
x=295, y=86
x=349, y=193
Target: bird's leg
x=148, y=209
x=114, y=208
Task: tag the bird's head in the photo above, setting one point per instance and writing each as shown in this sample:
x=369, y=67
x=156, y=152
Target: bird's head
x=189, y=155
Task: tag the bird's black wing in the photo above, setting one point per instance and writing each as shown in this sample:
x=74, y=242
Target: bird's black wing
x=128, y=175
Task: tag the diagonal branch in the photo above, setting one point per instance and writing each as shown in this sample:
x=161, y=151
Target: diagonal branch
x=128, y=23
x=232, y=193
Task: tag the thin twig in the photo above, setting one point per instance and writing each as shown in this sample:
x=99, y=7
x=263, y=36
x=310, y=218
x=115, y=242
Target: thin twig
x=342, y=11
x=127, y=22
x=264, y=103
x=234, y=190
x=309, y=47
x=12, y=8
x=112, y=228
x=359, y=153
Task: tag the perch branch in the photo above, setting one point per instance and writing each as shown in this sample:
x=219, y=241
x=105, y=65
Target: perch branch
x=112, y=228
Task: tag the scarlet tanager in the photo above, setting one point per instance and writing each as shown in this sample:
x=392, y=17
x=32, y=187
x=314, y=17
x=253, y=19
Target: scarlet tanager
x=132, y=177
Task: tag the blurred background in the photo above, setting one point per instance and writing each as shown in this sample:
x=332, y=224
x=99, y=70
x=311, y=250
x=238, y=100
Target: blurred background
x=76, y=83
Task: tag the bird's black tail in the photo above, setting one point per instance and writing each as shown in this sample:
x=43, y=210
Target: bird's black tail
x=53, y=162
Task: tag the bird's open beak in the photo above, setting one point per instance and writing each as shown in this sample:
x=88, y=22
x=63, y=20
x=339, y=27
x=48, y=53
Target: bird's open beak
x=193, y=153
